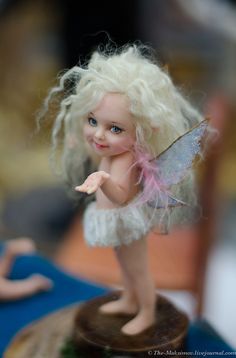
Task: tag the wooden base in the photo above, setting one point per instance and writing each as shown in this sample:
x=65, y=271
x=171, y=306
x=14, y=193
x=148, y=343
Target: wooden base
x=96, y=331
x=52, y=335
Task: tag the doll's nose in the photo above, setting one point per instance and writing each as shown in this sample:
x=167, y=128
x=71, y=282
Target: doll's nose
x=100, y=134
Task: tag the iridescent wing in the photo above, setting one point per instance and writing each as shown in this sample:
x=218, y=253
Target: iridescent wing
x=173, y=165
x=175, y=161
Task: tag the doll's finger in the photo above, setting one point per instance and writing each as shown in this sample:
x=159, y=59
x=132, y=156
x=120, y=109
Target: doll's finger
x=80, y=188
x=92, y=189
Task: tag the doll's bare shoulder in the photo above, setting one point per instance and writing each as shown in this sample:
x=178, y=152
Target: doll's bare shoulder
x=122, y=166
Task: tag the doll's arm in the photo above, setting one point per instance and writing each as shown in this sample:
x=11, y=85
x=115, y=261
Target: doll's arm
x=121, y=183
x=117, y=185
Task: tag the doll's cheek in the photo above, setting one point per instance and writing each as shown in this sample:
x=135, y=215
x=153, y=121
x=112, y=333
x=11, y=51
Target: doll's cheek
x=88, y=134
x=129, y=141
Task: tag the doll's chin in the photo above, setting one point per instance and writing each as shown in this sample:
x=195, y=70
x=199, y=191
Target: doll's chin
x=107, y=152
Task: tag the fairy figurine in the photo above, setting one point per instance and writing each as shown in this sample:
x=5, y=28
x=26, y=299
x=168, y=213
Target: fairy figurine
x=118, y=115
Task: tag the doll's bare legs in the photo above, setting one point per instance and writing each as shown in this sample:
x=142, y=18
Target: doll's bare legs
x=127, y=303
x=133, y=259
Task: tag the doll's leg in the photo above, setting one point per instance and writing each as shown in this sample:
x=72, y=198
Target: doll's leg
x=13, y=248
x=13, y=290
x=127, y=303
x=134, y=258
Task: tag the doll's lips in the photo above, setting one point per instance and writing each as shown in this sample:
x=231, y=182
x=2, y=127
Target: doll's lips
x=100, y=146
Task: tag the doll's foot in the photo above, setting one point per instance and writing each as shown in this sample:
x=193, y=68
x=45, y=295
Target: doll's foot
x=122, y=305
x=138, y=324
x=17, y=289
x=19, y=246
x=40, y=283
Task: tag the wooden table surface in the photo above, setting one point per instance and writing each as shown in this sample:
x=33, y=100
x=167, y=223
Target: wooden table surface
x=43, y=338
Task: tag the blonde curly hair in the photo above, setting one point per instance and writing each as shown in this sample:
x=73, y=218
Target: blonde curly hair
x=155, y=103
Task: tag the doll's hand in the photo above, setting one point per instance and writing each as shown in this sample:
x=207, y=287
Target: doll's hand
x=93, y=182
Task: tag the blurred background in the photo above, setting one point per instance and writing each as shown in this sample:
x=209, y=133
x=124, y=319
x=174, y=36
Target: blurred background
x=196, y=39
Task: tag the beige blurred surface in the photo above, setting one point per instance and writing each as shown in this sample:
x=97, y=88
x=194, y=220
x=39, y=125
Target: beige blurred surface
x=227, y=172
x=26, y=69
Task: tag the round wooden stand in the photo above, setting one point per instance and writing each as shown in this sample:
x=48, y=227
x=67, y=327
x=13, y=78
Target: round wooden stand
x=95, y=331
x=98, y=336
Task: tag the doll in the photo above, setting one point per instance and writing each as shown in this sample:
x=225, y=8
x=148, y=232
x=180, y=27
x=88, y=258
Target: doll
x=118, y=113
x=17, y=289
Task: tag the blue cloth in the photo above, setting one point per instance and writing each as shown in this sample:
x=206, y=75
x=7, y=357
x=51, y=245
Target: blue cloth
x=202, y=338
x=67, y=290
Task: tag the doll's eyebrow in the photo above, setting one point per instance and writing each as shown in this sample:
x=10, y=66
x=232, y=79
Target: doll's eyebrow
x=117, y=124
x=114, y=123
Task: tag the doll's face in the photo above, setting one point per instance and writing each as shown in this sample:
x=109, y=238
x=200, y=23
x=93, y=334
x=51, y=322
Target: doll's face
x=109, y=129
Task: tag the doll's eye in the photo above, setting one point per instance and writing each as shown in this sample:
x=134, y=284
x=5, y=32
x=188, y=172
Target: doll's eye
x=116, y=130
x=92, y=122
